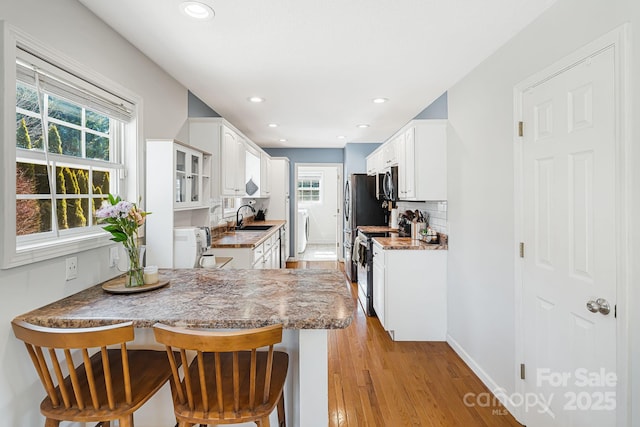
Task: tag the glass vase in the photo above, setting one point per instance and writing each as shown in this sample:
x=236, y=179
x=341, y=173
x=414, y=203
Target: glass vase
x=135, y=274
x=135, y=277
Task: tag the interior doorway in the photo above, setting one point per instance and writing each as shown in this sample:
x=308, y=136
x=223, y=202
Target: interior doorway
x=317, y=194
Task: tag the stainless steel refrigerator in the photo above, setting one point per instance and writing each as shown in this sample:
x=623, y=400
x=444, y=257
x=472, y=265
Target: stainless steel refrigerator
x=361, y=207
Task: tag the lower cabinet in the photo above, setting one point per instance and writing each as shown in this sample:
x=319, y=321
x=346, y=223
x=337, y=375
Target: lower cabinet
x=410, y=293
x=379, y=290
x=265, y=255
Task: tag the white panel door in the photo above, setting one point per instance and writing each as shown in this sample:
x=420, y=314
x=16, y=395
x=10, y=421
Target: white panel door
x=570, y=248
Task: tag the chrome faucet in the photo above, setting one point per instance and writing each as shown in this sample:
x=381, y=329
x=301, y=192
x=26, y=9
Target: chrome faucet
x=239, y=216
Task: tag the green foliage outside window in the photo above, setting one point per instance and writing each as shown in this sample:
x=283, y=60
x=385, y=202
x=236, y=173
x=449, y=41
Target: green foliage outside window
x=72, y=131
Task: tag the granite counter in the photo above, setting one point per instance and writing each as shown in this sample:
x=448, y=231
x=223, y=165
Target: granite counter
x=246, y=239
x=203, y=298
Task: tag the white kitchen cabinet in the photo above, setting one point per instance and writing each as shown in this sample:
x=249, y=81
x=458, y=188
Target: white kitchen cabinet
x=406, y=166
x=191, y=173
x=275, y=251
x=263, y=255
x=265, y=171
x=280, y=203
x=422, y=168
x=229, y=150
x=389, y=152
x=258, y=257
x=374, y=163
x=379, y=290
x=410, y=293
x=178, y=183
x=233, y=163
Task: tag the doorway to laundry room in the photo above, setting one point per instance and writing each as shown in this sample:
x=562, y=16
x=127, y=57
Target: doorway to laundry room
x=317, y=193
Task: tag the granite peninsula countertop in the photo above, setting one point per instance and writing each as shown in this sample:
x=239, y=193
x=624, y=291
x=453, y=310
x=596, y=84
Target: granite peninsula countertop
x=204, y=298
x=246, y=239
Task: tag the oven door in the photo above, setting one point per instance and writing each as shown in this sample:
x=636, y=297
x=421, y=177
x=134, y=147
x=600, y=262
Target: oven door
x=364, y=287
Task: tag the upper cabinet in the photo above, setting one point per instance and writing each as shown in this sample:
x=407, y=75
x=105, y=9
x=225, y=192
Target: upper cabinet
x=374, y=162
x=233, y=164
x=420, y=151
x=425, y=161
x=192, y=169
x=265, y=171
x=238, y=164
x=253, y=178
x=390, y=153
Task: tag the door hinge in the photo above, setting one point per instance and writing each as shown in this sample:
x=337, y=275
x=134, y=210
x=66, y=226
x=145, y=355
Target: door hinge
x=520, y=128
x=615, y=311
x=521, y=249
x=522, y=375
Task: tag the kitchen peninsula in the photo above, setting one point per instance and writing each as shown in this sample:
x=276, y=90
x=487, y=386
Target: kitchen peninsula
x=306, y=302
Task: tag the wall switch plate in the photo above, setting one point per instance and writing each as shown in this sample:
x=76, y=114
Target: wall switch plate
x=113, y=256
x=71, y=268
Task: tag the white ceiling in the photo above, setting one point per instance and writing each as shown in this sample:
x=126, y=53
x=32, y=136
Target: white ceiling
x=319, y=63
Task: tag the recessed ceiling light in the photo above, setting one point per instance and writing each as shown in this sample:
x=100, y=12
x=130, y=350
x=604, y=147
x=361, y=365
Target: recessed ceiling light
x=341, y=137
x=283, y=140
x=379, y=100
x=255, y=99
x=197, y=10
x=273, y=125
x=363, y=125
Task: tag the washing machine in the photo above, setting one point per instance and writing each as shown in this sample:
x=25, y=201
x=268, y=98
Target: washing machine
x=303, y=229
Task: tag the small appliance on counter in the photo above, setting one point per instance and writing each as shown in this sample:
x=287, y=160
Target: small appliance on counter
x=189, y=243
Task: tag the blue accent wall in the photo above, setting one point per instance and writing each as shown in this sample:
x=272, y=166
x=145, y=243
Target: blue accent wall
x=438, y=109
x=355, y=157
x=197, y=108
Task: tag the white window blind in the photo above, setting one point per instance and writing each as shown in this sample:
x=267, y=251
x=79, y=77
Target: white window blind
x=58, y=82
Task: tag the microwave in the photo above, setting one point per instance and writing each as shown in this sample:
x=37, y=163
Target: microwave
x=387, y=185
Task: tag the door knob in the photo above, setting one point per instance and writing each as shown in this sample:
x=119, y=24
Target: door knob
x=600, y=305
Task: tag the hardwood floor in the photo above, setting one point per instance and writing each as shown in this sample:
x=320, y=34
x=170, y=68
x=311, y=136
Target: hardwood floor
x=374, y=381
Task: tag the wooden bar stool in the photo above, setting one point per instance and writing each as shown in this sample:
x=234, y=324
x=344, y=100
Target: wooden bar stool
x=228, y=381
x=99, y=388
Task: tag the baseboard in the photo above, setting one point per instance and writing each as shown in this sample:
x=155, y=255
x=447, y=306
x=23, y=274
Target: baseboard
x=503, y=395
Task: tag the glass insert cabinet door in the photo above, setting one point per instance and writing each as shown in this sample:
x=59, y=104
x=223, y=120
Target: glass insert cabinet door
x=188, y=177
x=181, y=176
x=194, y=193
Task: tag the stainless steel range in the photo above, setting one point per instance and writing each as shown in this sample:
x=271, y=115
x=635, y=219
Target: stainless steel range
x=365, y=268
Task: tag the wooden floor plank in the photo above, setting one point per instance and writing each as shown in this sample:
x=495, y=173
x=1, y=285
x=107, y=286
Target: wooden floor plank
x=374, y=381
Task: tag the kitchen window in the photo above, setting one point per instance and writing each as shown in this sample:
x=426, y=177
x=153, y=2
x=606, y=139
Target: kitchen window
x=75, y=142
x=310, y=188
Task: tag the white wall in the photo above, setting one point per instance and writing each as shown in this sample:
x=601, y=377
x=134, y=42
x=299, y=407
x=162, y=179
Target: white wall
x=322, y=216
x=66, y=26
x=480, y=174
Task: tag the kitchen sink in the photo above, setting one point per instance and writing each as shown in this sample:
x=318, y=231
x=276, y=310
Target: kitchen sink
x=254, y=228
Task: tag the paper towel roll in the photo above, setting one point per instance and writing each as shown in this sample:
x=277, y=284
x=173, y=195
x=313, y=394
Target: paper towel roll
x=394, y=218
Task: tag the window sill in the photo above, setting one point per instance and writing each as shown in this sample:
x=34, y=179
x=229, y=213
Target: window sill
x=32, y=253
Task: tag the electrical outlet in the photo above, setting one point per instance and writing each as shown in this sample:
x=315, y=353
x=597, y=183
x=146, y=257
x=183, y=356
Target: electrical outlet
x=113, y=256
x=72, y=268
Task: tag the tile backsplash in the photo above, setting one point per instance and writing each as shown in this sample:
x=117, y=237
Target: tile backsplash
x=436, y=211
